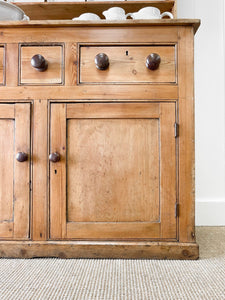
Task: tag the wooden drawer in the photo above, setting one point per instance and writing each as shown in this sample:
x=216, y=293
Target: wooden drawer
x=127, y=64
x=2, y=65
x=53, y=55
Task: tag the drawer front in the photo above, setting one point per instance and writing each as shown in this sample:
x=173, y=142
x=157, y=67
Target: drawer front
x=53, y=56
x=127, y=64
x=2, y=64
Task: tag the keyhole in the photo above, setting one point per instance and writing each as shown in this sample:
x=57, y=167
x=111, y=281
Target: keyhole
x=55, y=171
x=127, y=53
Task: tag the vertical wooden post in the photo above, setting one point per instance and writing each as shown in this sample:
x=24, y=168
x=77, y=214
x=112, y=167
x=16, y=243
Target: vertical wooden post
x=40, y=206
x=186, y=135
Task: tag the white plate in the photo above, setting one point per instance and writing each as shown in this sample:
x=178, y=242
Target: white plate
x=10, y=12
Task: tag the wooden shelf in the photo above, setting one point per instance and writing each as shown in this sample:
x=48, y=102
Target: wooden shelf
x=101, y=23
x=69, y=10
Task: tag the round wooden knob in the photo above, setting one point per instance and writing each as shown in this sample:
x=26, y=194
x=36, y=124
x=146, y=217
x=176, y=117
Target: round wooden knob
x=39, y=63
x=54, y=157
x=102, y=61
x=21, y=156
x=153, y=61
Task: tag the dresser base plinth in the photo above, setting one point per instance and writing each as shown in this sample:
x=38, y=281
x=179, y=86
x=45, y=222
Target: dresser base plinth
x=95, y=249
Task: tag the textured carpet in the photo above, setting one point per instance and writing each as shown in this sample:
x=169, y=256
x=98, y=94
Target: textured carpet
x=90, y=279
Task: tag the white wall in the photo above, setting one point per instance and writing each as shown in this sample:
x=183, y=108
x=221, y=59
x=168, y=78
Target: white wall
x=209, y=108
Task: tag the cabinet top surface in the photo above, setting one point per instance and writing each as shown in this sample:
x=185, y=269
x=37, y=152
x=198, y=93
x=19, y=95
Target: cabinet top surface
x=101, y=23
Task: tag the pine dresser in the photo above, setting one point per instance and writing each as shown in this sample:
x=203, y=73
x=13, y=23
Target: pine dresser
x=97, y=137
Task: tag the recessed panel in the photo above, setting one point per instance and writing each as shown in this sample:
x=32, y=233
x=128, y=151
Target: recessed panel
x=6, y=169
x=113, y=170
x=2, y=64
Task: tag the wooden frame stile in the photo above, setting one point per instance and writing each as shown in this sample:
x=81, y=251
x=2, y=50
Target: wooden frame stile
x=11, y=66
x=186, y=137
x=40, y=177
x=58, y=172
x=174, y=9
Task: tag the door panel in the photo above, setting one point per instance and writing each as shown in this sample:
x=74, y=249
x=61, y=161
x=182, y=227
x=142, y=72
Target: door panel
x=113, y=179
x=101, y=166
x=14, y=175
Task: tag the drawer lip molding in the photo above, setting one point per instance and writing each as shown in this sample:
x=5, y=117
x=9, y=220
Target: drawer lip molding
x=53, y=76
x=96, y=249
x=2, y=63
x=127, y=64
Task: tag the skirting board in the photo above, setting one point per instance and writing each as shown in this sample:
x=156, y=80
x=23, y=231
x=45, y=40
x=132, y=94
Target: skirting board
x=210, y=213
x=95, y=249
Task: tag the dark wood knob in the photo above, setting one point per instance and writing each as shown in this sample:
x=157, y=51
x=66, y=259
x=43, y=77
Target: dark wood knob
x=153, y=61
x=102, y=61
x=39, y=63
x=54, y=157
x=21, y=156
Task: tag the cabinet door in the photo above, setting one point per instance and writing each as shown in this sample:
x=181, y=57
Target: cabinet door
x=14, y=174
x=116, y=177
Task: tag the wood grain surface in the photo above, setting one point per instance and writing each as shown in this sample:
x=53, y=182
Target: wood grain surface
x=121, y=171
x=40, y=173
x=2, y=65
x=187, y=137
x=89, y=249
x=127, y=64
x=7, y=169
x=54, y=57
x=58, y=172
x=22, y=172
x=116, y=171
x=14, y=175
x=57, y=11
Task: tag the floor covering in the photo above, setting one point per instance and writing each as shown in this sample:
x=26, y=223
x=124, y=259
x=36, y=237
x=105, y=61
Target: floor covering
x=105, y=279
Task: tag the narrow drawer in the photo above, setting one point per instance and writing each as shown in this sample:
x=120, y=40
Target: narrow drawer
x=127, y=64
x=47, y=67
x=2, y=65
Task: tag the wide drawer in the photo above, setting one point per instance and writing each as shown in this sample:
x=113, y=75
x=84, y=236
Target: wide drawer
x=127, y=64
x=2, y=64
x=53, y=60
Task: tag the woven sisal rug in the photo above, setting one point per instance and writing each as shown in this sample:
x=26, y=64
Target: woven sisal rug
x=90, y=279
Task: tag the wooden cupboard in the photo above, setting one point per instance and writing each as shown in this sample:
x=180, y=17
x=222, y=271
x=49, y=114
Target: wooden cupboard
x=97, y=163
